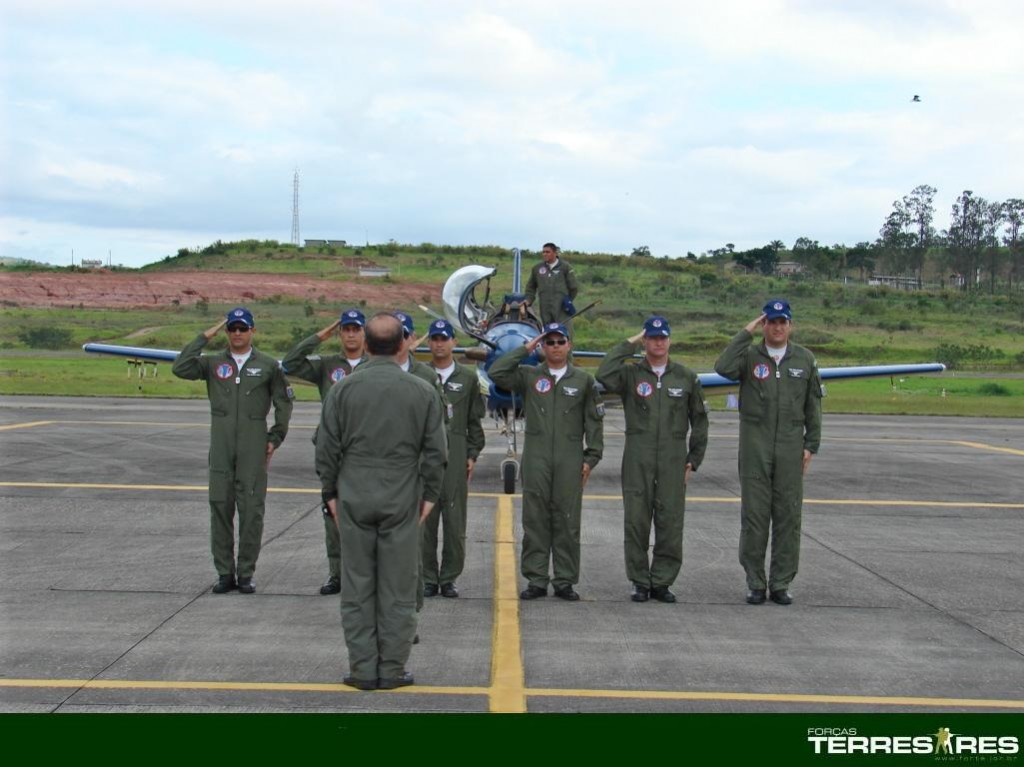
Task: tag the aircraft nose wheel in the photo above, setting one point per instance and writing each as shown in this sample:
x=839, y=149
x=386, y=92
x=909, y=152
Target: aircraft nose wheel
x=509, y=473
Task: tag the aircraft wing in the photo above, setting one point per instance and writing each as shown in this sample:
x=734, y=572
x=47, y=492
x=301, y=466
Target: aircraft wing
x=713, y=380
x=134, y=352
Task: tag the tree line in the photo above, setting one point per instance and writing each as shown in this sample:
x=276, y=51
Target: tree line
x=982, y=248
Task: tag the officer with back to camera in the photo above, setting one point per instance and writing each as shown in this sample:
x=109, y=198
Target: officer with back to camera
x=242, y=384
x=380, y=456
x=325, y=371
x=465, y=441
x=780, y=430
x=662, y=400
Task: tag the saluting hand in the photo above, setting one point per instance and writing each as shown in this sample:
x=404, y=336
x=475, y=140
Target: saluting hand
x=636, y=339
x=753, y=325
x=534, y=343
x=807, y=460
x=211, y=332
x=324, y=334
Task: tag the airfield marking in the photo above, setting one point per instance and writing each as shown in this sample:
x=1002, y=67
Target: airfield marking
x=758, y=697
x=507, y=693
x=499, y=496
x=961, y=443
x=539, y=692
x=28, y=425
x=134, y=684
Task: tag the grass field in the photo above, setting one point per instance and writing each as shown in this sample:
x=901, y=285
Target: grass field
x=843, y=324
x=955, y=395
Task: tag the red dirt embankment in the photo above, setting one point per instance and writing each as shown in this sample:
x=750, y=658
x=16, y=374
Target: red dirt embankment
x=116, y=290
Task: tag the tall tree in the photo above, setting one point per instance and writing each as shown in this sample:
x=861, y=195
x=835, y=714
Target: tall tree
x=1013, y=217
x=920, y=210
x=861, y=257
x=994, y=255
x=971, y=231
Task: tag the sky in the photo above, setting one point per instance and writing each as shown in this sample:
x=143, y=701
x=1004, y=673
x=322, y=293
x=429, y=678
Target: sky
x=130, y=130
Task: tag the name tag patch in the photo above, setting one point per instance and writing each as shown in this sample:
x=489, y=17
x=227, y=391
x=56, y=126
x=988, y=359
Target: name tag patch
x=452, y=386
x=675, y=392
x=570, y=391
x=253, y=371
x=796, y=373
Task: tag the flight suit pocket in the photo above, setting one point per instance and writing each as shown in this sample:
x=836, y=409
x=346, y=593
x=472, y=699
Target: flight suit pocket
x=220, y=485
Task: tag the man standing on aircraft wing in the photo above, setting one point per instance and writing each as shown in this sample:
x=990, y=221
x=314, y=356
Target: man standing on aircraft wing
x=380, y=456
x=465, y=441
x=325, y=371
x=662, y=400
x=780, y=429
x=241, y=383
x=562, y=410
x=553, y=283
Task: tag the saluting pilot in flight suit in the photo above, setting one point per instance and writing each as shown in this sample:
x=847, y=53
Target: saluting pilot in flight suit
x=380, y=456
x=662, y=400
x=325, y=371
x=553, y=283
x=562, y=407
x=780, y=429
x=465, y=441
x=241, y=383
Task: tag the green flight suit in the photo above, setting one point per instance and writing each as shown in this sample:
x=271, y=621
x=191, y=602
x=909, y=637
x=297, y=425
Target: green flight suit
x=659, y=413
x=465, y=441
x=239, y=403
x=324, y=371
x=549, y=286
x=426, y=373
x=780, y=417
x=558, y=416
x=381, y=449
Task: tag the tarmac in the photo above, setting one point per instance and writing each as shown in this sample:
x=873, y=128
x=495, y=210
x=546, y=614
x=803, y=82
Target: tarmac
x=909, y=596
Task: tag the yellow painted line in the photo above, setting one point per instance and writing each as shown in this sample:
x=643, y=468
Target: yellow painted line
x=28, y=425
x=129, y=684
x=508, y=688
x=756, y=697
x=983, y=446
x=502, y=497
x=133, y=423
x=959, y=442
x=750, y=697
x=102, y=486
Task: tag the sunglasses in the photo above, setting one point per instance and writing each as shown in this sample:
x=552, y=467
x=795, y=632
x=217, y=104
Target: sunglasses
x=239, y=329
x=555, y=342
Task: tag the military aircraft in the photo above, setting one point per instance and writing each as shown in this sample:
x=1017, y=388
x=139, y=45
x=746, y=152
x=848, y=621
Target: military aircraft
x=500, y=328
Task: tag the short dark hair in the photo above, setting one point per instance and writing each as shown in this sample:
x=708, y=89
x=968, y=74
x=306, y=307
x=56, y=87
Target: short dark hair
x=384, y=335
x=550, y=245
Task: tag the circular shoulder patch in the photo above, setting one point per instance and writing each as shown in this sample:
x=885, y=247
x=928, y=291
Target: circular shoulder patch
x=337, y=374
x=543, y=385
x=644, y=389
x=542, y=270
x=761, y=371
x=224, y=371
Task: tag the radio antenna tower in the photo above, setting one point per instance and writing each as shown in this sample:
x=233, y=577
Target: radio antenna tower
x=295, y=208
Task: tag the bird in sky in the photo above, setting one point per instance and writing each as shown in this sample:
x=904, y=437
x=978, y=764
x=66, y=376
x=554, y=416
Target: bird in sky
x=916, y=98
